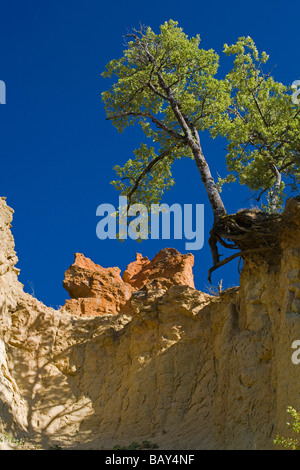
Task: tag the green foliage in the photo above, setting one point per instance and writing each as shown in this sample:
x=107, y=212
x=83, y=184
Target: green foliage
x=137, y=446
x=12, y=440
x=164, y=79
x=155, y=70
x=289, y=443
x=262, y=126
x=160, y=179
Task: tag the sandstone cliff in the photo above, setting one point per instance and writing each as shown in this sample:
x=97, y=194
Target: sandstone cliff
x=147, y=356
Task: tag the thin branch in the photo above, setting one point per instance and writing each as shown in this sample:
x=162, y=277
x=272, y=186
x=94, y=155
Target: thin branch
x=158, y=93
x=168, y=93
x=156, y=121
x=139, y=90
x=261, y=193
x=256, y=103
x=260, y=111
x=298, y=112
x=147, y=170
x=286, y=165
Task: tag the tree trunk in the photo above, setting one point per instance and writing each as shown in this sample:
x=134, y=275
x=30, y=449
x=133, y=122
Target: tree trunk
x=193, y=141
x=210, y=185
x=213, y=197
x=274, y=194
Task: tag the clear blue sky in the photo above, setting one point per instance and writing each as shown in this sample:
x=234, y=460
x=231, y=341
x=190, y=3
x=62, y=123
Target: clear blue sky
x=57, y=151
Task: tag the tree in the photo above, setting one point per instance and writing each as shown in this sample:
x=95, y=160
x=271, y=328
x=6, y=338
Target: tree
x=168, y=85
x=262, y=126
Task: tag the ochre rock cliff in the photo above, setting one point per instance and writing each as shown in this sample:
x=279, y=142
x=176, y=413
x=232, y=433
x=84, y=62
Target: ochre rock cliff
x=148, y=357
x=95, y=290
x=167, y=268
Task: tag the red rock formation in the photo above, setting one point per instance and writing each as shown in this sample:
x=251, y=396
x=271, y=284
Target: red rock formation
x=167, y=268
x=95, y=290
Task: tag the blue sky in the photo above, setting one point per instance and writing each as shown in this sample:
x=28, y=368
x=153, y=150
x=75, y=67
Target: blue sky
x=57, y=150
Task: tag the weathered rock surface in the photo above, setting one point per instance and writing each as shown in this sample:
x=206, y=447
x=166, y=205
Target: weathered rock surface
x=180, y=368
x=95, y=290
x=167, y=268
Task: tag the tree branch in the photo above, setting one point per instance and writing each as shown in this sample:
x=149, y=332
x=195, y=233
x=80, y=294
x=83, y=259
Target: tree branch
x=146, y=171
x=158, y=93
x=156, y=121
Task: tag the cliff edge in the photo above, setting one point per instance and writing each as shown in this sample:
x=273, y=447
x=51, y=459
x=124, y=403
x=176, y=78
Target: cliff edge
x=146, y=356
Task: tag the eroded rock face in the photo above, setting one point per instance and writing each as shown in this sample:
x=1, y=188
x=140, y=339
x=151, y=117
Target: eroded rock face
x=95, y=290
x=183, y=369
x=167, y=268
x=13, y=408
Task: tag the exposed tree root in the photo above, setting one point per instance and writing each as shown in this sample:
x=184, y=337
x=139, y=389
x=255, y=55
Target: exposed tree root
x=249, y=231
x=230, y=258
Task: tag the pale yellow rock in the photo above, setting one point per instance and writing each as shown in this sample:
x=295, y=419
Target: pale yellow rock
x=184, y=369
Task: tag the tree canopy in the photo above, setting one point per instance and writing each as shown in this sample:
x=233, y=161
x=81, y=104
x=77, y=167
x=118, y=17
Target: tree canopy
x=168, y=85
x=262, y=126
